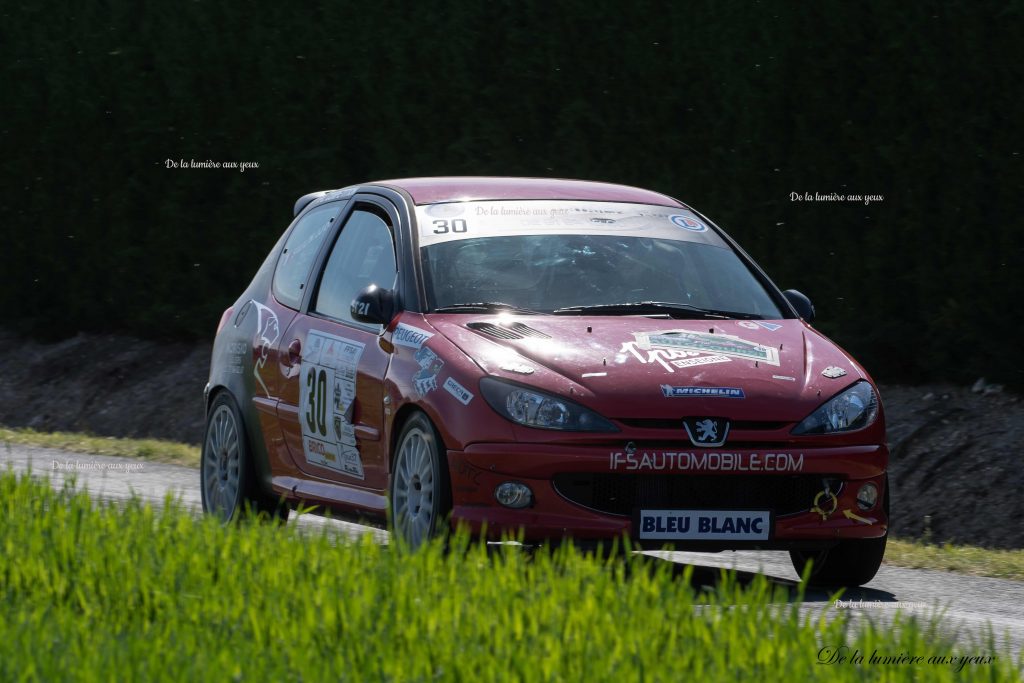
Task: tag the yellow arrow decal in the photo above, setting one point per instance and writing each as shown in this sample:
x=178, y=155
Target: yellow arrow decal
x=866, y=520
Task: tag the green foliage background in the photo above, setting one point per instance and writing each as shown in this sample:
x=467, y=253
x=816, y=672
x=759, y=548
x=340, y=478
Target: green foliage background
x=728, y=106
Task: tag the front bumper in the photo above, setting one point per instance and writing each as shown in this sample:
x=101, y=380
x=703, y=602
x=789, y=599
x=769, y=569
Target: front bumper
x=787, y=483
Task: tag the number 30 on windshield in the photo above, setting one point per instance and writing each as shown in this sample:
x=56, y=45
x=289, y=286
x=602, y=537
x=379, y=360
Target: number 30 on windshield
x=455, y=225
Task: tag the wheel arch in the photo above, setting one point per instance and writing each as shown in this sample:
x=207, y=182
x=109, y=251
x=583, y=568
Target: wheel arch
x=403, y=415
x=252, y=432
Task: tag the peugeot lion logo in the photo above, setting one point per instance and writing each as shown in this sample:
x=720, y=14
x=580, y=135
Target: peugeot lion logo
x=706, y=431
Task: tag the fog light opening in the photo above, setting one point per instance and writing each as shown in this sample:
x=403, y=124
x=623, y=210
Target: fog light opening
x=867, y=496
x=513, y=495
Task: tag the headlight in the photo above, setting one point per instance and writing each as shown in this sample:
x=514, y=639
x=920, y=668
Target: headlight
x=533, y=408
x=855, y=408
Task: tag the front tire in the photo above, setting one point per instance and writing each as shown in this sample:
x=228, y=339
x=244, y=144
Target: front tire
x=852, y=562
x=227, y=477
x=420, y=495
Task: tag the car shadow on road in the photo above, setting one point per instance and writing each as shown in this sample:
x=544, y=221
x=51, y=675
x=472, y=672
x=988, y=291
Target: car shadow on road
x=708, y=577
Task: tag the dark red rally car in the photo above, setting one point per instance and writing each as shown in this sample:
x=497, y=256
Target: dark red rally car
x=569, y=359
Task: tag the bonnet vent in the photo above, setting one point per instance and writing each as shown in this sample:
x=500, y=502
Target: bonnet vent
x=509, y=331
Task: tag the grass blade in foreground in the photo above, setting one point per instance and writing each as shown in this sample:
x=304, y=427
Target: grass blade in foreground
x=101, y=592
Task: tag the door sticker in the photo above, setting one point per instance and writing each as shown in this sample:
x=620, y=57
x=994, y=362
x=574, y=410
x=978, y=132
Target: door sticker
x=328, y=390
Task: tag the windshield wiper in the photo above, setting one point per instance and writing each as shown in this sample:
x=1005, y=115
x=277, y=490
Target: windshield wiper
x=648, y=307
x=483, y=306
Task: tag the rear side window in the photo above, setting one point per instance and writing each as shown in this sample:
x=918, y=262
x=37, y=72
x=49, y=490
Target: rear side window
x=300, y=251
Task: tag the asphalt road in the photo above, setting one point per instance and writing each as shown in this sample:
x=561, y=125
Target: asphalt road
x=969, y=604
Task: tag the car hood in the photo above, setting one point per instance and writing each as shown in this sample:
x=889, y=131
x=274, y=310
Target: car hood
x=639, y=367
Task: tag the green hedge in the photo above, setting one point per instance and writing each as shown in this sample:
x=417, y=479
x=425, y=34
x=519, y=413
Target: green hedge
x=728, y=106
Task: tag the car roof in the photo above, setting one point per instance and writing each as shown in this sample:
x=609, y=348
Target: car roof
x=478, y=188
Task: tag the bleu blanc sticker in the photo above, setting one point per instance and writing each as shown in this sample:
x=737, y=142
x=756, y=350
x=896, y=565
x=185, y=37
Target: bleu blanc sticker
x=712, y=392
x=412, y=337
x=705, y=524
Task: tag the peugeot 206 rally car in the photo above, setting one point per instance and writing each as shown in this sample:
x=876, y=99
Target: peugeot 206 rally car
x=558, y=358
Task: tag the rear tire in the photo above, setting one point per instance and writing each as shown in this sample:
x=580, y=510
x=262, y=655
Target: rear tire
x=420, y=494
x=227, y=476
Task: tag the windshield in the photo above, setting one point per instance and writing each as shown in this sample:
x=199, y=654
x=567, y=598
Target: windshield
x=588, y=254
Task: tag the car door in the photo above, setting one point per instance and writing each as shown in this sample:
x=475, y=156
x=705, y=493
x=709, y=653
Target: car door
x=331, y=409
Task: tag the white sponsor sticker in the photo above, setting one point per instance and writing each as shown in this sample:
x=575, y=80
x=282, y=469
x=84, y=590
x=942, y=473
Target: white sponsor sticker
x=699, y=360
x=458, y=391
x=412, y=337
x=709, y=343
x=704, y=525
x=328, y=390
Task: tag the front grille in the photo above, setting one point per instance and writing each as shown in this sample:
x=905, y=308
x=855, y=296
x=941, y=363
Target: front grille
x=677, y=424
x=619, y=494
x=514, y=330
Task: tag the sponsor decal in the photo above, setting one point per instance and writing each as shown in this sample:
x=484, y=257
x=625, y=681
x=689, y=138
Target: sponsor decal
x=712, y=525
x=409, y=336
x=700, y=360
x=236, y=357
x=711, y=392
x=723, y=344
x=714, y=461
x=268, y=331
x=758, y=325
x=328, y=392
x=448, y=210
x=425, y=380
x=688, y=222
x=461, y=393
x=669, y=359
x=832, y=372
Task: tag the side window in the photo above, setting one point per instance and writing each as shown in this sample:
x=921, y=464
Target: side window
x=299, y=252
x=363, y=255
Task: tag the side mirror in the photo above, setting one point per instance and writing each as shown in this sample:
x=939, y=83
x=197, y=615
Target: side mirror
x=374, y=305
x=803, y=305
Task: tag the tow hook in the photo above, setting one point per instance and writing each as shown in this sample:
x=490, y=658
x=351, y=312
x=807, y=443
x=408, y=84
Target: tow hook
x=825, y=503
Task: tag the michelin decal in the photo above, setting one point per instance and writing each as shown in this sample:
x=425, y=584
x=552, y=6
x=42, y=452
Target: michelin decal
x=704, y=392
x=328, y=389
